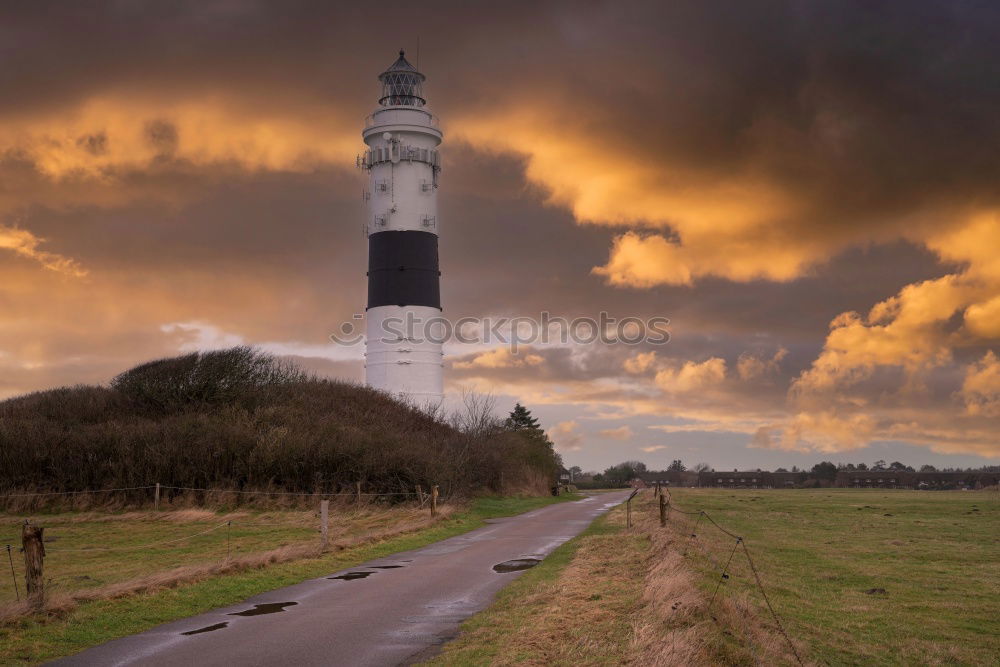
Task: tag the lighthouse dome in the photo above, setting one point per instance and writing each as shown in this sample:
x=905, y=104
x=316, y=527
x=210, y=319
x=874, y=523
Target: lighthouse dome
x=402, y=84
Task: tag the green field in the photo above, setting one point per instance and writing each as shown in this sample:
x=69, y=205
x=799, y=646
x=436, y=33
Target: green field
x=869, y=577
x=39, y=638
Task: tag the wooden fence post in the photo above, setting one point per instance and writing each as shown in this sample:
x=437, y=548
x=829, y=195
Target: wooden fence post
x=156, y=498
x=34, y=555
x=358, y=486
x=324, y=518
x=663, y=510
x=420, y=495
x=434, y=500
x=628, y=513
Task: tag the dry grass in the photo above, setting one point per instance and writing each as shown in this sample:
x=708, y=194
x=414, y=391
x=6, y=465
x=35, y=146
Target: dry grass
x=576, y=608
x=677, y=626
x=618, y=596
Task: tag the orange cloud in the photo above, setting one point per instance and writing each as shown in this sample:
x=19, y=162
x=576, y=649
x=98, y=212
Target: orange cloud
x=750, y=367
x=692, y=376
x=566, y=436
x=910, y=330
x=620, y=433
x=500, y=357
x=640, y=363
x=24, y=243
x=109, y=133
x=981, y=387
x=721, y=221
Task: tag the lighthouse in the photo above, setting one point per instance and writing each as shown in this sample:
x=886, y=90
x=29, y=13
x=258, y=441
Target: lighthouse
x=402, y=162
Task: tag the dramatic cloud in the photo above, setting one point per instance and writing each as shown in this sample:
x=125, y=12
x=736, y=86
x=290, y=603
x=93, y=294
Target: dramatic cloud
x=981, y=387
x=807, y=190
x=692, y=376
x=104, y=136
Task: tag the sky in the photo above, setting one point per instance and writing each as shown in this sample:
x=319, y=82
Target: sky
x=807, y=190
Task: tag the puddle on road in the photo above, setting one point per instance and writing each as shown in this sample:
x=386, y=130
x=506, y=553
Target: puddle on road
x=207, y=628
x=265, y=608
x=351, y=576
x=516, y=565
x=386, y=567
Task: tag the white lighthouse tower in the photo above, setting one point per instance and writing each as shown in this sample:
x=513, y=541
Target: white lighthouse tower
x=403, y=163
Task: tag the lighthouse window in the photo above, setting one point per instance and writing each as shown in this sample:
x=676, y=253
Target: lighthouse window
x=381, y=186
x=429, y=221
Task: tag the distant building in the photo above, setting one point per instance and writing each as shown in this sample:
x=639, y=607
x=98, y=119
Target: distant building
x=904, y=479
x=856, y=479
x=669, y=477
x=738, y=479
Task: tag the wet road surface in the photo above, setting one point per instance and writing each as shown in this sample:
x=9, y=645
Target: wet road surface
x=390, y=611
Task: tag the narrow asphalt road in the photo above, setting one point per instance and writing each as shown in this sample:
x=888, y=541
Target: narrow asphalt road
x=390, y=611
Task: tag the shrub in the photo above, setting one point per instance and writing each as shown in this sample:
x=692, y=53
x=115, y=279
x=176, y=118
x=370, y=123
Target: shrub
x=242, y=420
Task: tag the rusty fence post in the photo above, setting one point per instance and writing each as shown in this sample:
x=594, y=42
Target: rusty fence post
x=663, y=511
x=34, y=555
x=13, y=575
x=434, y=500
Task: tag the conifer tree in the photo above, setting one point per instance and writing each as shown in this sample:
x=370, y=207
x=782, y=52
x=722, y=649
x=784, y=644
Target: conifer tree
x=520, y=418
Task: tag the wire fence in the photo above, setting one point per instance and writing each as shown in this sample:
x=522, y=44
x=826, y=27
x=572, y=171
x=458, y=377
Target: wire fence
x=70, y=493
x=136, y=547
x=296, y=532
x=725, y=571
x=313, y=494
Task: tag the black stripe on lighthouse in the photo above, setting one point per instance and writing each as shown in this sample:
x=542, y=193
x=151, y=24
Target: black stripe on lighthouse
x=403, y=269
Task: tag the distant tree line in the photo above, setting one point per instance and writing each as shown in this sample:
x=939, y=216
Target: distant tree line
x=621, y=474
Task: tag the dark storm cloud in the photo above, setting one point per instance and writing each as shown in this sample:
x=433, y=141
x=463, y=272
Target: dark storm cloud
x=859, y=106
x=194, y=158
